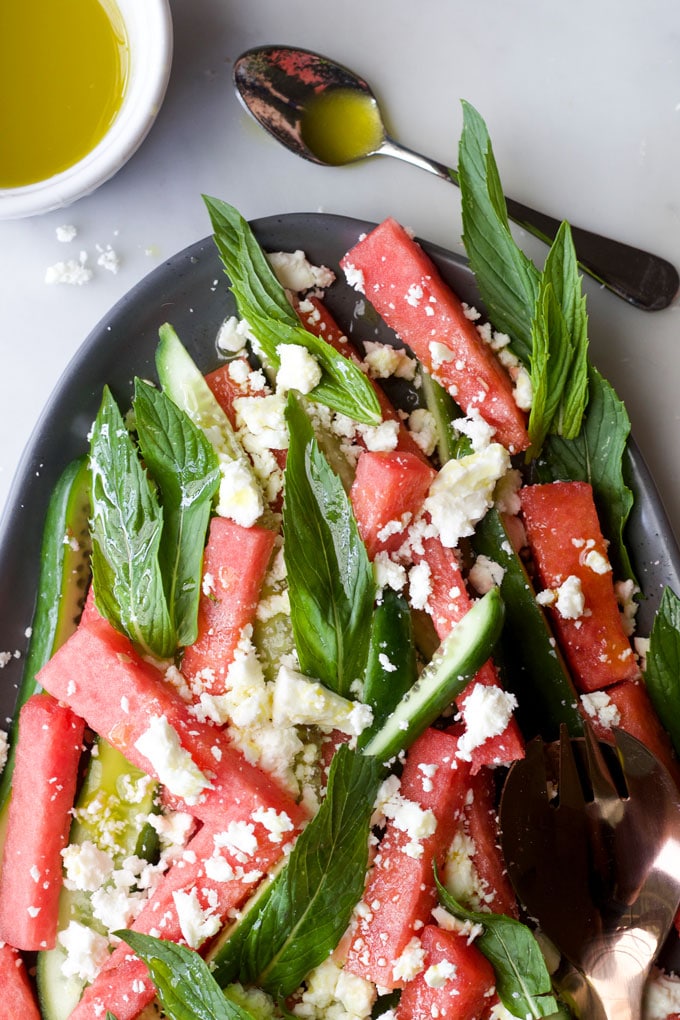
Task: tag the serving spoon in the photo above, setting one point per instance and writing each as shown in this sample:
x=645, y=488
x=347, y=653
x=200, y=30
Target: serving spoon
x=591, y=838
x=326, y=113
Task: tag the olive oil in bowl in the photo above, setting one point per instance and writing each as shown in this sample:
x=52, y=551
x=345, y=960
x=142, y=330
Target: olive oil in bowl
x=63, y=73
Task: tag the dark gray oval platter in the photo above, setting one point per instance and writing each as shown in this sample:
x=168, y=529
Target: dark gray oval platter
x=191, y=291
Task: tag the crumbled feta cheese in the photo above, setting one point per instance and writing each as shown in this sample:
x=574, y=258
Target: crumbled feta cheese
x=354, y=277
x=66, y=233
x=240, y=496
x=570, y=601
x=598, y=705
x=384, y=360
x=486, y=713
x=440, y=354
x=86, y=866
x=196, y=923
x=388, y=573
x=108, y=259
x=626, y=592
x=73, y=271
x=423, y=428
x=86, y=951
x=264, y=420
x=383, y=437
x=299, y=370
x=410, y=962
x=596, y=562
x=420, y=585
x=299, y=701
x=4, y=748
x=463, y=491
x=332, y=993
x=171, y=763
x=232, y=337
x=295, y=272
x=275, y=822
x=437, y=974
x=485, y=574
x=523, y=392
x=478, y=431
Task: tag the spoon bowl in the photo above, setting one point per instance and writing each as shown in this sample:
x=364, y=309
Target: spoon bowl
x=327, y=114
x=591, y=837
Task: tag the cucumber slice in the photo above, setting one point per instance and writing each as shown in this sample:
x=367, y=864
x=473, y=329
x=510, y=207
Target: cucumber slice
x=184, y=383
x=240, y=494
x=467, y=647
x=110, y=814
x=62, y=585
x=530, y=662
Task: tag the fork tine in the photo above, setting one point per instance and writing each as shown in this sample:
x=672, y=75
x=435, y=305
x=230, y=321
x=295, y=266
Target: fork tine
x=570, y=789
x=603, y=785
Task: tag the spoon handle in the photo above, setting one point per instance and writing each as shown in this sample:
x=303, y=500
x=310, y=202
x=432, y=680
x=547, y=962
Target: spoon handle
x=645, y=280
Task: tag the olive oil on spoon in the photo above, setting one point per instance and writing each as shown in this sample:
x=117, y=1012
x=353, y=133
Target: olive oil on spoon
x=325, y=113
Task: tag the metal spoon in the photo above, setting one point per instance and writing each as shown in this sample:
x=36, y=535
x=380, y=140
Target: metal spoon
x=591, y=837
x=285, y=90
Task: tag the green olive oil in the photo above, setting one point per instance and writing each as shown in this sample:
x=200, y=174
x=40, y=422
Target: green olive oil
x=341, y=125
x=63, y=71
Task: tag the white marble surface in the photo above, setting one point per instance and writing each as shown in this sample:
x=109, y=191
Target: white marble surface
x=583, y=105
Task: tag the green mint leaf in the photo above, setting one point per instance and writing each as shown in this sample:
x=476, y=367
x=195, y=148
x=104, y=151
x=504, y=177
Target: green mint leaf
x=522, y=980
x=561, y=271
x=507, y=279
x=309, y=905
x=550, y=363
x=262, y=301
x=596, y=456
x=185, y=466
x=126, y=533
x=662, y=671
x=109, y=1015
x=186, y=988
x=330, y=578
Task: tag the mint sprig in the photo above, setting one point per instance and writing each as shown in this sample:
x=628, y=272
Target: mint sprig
x=507, y=280
x=186, y=988
x=306, y=910
x=185, y=466
x=262, y=302
x=662, y=669
x=126, y=526
x=522, y=979
x=330, y=579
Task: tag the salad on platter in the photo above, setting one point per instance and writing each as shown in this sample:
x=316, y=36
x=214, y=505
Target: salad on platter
x=296, y=617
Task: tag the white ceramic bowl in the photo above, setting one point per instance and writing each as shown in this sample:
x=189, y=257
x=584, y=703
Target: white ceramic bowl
x=148, y=25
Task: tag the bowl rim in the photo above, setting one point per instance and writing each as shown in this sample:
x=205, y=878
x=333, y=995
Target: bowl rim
x=150, y=38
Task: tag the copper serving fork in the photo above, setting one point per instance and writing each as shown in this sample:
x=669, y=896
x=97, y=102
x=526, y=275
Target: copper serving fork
x=591, y=837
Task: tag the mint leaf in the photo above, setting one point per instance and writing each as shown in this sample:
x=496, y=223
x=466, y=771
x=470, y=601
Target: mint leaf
x=185, y=466
x=596, y=456
x=506, y=278
x=186, y=988
x=550, y=363
x=308, y=906
x=662, y=672
x=126, y=532
x=262, y=302
x=561, y=271
x=330, y=578
x=522, y=980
